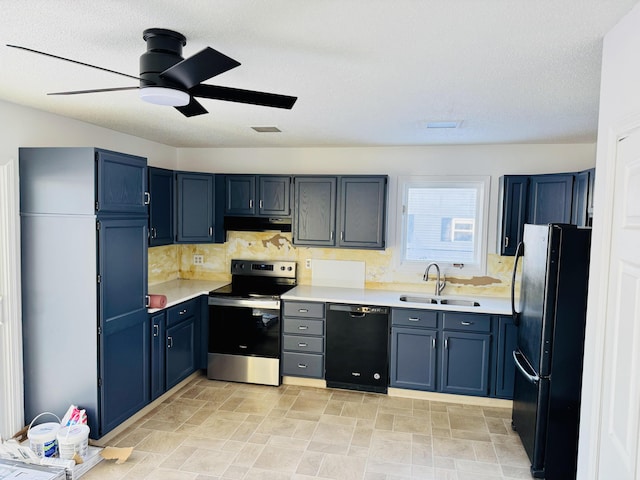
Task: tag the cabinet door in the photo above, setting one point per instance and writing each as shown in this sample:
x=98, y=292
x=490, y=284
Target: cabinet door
x=465, y=363
x=550, y=198
x=505, y=368
x=180, y=354
x=195, y=209
x=240, y=197
x=413, y=358
x=274, y=195
x=514, y=193
x=121, y=183
x=314, y=221
x=362, y=212
x=124, y=342
x=157, y=354
x=160, y=206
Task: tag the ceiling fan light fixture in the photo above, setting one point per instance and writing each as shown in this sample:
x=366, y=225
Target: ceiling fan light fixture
x=165, y=96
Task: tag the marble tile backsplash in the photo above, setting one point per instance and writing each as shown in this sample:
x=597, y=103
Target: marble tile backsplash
x=176, y=261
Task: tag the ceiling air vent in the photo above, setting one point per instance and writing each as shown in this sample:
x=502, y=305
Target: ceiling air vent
x=267, y=129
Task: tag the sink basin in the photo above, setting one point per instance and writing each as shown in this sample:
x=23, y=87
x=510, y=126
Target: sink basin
x=417, y=299
x=460, y=302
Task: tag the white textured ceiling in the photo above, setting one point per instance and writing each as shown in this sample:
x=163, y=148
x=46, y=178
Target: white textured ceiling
x=366, y=72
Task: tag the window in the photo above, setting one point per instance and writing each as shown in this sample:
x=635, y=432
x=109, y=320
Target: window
x=444, y=221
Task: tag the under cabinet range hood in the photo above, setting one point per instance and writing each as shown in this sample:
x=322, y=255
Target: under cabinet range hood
x=257, y=224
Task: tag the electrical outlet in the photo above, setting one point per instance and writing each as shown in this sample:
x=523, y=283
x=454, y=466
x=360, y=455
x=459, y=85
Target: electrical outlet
x=307, y=263
x=198, y=259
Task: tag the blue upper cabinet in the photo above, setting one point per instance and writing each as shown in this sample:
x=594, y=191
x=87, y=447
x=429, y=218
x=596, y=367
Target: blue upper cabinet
x=362, y=206
x=582, y=213
x=161, y=207
x=122, y=183
x=198, y=208
x=514, y=191
x=550, y=199
x=264, y=195
x=314, y=220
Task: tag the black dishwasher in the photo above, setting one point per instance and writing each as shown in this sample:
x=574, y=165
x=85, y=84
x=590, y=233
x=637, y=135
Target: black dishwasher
x=357, y=347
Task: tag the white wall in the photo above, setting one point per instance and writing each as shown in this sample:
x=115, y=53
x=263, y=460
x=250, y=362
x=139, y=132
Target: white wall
x=494, y=160
x=619, y=111
x=27, y=127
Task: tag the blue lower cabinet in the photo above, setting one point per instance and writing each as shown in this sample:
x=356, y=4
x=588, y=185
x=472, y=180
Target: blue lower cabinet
x=465, y=363
x=413, y=358
x=180, y=353
x=505, y=368
x=157, y=354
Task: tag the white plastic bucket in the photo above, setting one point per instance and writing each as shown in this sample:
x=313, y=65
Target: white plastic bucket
x=73, y=439
x=42, y=438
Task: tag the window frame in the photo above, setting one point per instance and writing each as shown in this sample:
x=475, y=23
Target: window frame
x=483, y=182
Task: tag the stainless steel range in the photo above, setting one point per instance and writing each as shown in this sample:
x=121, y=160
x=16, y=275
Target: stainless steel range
x=244, y=322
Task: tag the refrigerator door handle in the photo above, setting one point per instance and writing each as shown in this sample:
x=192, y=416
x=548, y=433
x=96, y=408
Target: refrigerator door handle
x=515, y=314
x=531, y=378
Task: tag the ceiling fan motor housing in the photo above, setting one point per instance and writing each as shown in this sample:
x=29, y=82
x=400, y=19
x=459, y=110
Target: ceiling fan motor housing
x=164, y=49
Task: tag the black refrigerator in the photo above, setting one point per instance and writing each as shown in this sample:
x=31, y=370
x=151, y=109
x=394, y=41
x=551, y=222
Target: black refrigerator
x=551, y=324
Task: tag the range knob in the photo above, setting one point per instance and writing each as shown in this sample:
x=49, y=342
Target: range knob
x=282, y=267
x=290, y=268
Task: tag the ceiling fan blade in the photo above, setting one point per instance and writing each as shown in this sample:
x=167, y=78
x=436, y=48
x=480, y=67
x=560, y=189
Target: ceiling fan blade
x=192, y=109
x=243, y=96
x=199, y=67
x=73, y=61
x=95, y=90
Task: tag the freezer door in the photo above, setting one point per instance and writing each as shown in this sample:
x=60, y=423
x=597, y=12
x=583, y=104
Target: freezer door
x=539, y=267
x=529, y=415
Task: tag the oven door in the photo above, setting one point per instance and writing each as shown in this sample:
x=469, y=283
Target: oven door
x=247, y=327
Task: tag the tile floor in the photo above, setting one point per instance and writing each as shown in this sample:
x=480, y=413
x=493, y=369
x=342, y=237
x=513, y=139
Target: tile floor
x=212, y=430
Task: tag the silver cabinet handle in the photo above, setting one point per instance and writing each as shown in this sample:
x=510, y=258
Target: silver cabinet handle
x=211, y=231
x=506, y=242
x=433, y=343
x=466, y=324
x=154, y=232
x=244, y=347
x=303, y=310
x=413, y=319
x=302, y=365
x=303, y=327
x=147, y=301
x=260, y=204
x=169, y=342
x=182, y=312
x=147, y=198
x=156, y=330
x=301, y=344
x=331, y=236
x=250, y=203
x=341, y=236
x=446, y=343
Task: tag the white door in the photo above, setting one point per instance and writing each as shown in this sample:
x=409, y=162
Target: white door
x=620, y=409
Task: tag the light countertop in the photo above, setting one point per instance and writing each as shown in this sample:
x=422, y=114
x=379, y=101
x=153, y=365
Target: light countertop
x=178, y=291
x=358, y=296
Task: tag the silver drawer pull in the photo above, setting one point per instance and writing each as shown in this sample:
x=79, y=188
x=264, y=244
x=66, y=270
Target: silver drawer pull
x=302, y=344
x=466, y=324
x=242, y=346
x=182, y=312
x=413, y=319
x=303, y=310
x=156, y=330
x=169, y=342
x=302, y=365
x=303, y=327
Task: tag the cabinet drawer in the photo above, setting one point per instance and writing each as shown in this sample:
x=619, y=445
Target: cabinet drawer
x=182, y=311
x=303, y=326
x=414, y=317
x=303, y=364
x=304, y=309
x=469, y=322
x=303, y=344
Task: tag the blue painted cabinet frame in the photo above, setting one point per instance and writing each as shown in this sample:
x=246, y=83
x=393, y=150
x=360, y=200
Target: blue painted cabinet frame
x=161, y=183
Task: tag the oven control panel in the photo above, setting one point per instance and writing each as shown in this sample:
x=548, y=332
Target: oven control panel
x=264, y=268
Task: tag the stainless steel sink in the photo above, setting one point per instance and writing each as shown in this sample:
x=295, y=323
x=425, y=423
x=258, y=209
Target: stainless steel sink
x=417, y=299
x=460, y=302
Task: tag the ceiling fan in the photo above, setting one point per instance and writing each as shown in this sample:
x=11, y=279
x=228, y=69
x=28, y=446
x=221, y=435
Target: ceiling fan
x=168, y=79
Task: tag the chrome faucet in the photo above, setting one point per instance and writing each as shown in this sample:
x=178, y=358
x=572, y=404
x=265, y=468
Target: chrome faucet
x=439, y=283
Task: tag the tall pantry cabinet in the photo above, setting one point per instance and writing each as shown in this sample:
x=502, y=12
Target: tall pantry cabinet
x=83, y=218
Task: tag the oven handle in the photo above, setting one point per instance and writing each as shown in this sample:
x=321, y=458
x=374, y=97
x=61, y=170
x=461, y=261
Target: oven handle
x=248, y=303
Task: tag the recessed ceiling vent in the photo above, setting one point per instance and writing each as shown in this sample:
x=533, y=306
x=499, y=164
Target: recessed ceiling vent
x=444, y=124
x=267, y=129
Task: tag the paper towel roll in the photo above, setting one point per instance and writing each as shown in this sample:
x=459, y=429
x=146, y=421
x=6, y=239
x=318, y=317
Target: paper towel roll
x=157, y=301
